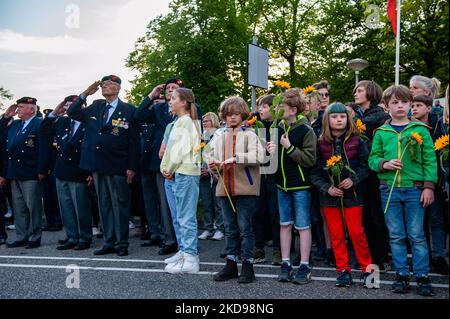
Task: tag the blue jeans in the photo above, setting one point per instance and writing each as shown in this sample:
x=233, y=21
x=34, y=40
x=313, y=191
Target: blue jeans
x=238, y=226
x=295, y=208
x=405, y=219
x=168, y=186
x=210, y=207
x=186, y=191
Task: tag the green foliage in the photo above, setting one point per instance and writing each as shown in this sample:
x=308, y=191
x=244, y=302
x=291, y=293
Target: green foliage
x=204, y=43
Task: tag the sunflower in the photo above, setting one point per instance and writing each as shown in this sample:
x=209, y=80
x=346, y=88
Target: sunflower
x=198, y=148
x=282, y=84
x=333, y=160
x=441, y=143
x=252, y=121
x=417, y=137
x=361, y=126
x=308, y=89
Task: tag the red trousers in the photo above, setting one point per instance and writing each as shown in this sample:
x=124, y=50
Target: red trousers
x=353, y=223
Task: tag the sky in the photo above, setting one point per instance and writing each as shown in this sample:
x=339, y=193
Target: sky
x=50, y=49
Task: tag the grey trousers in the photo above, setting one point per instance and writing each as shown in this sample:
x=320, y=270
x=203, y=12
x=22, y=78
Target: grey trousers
x=166, y=217
x=151, y=203
x=75, y=210
x=114, y=206
x=27, y=206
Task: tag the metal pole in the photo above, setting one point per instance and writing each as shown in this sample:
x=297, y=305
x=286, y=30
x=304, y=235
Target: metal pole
x=357, y=77
x=254, y=42
x=397, y=48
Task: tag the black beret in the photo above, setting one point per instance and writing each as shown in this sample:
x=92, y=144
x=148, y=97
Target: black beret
x=27, y=100
x=176, y=81
x=47, y=111
x=113, y=78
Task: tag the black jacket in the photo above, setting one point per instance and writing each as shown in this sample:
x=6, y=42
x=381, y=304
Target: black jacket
x=373, y=118
x=358, y=163
x=109, y=149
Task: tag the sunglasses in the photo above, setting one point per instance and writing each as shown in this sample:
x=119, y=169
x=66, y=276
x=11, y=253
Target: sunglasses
x=324, y=94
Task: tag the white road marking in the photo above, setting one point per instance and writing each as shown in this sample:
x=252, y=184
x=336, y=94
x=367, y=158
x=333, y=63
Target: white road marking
x=209, y=273
x=151, y=261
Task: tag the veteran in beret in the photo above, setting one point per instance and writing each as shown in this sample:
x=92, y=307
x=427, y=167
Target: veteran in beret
x=110, y=151
x=24, y=169
x=71, y=180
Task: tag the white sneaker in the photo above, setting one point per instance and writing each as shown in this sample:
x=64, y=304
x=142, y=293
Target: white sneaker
x=188, y=264
x=95, y=231
x=11, y=227
x=206, y=234
x=218, y=235
x=174, y=259
x=9, y=213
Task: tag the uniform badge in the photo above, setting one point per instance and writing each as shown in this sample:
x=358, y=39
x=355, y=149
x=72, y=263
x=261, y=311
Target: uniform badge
x=30, y=142
x=115, y=131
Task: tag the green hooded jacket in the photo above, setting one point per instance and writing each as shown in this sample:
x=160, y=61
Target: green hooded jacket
x=419, y=161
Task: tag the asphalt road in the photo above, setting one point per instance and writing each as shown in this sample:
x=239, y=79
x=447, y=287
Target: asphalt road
x=43, y=273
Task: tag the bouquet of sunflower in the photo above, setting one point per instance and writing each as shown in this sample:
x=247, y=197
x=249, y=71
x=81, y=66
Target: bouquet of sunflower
x=441, y=146
x=310, y=93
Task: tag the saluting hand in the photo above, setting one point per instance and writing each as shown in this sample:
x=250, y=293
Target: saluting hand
x=156, y=92
x=60, y=109
x=89, y=181
x=91, y=89
x=11, y=111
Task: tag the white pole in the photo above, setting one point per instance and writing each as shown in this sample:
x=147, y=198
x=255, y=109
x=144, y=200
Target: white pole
x=255, y=42
x=397, y=48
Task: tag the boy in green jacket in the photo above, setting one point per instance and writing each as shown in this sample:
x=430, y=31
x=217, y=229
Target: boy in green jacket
x=412, y=173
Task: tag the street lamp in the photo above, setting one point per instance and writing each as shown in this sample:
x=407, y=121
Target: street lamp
x=357, y=65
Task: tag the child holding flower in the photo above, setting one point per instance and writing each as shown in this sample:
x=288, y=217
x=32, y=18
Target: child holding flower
x=235, y=155
x=341, y=196
x=403, y=155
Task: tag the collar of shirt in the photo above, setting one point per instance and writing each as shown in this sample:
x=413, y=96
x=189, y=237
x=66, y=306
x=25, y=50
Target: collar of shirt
x=75, y=127
x=27, y=122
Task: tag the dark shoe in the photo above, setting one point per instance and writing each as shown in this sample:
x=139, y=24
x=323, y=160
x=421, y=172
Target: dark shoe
x=223, y=255
x=82, y=246
x=303, y=275
x=424, y=287
x=286, y=273
x=167, y=250
x=55, y=228
x=367, y=282
x=105, y=250
x=46, y=227
x=247, y=273
x=67, y=246
x=319, y=256
x=439, y=265
x=384, y=267
x=151, y=242
x=16, y=244
x=401, y=284
x=344, y=279
x=33, y=244
x=260, y=256
x=2, y=241
x=63, y=241
x=228, y=272
x=276, y=258
x=121, y=252
x=330, y=260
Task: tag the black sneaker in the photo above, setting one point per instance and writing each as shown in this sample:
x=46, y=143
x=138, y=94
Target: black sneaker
x=303, y=275
x=296, y=261
x=401, y=284
x=228, y=272
x=33, y=245
x=424, y=287
x=439, y=265
x=247, y=273
x=260, y=256
x=286, y=273
x=344, y=279
x=319, y=255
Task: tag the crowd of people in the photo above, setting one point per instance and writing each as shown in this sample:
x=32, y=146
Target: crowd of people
x=363, y=174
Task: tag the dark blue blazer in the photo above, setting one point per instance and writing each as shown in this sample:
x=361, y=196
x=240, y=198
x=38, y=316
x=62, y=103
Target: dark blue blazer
x=25, y=154
x=148, y=155
x=107, y=149
x=68, y=156
x=159, y=116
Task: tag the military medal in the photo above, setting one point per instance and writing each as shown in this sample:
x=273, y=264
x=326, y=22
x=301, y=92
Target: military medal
x=30, y=143
x=115, y=131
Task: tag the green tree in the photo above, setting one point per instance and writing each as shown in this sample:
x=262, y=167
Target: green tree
x=4, y=94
